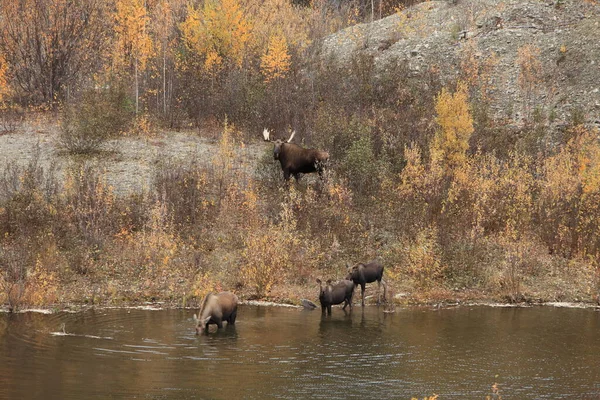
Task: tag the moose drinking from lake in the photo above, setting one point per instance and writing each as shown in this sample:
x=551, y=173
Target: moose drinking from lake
x=339, y=293
x=296, y=160
x=361, y=274
x=215, y=309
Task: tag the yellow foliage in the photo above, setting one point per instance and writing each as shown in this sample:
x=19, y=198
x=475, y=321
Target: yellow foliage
x=434, y=397
x=570, y=195
x=294, y=23
x=222, y=160
x=451, y=141
x=41, y=285
x=142, y=125
x=219, y=30
x=423, y=258
x=3, y=81
x=131, y=28
x=213, y=63
x=417, y=196
x=489, y=194
x=276, y=61
x=205, y=284
x=269, y=253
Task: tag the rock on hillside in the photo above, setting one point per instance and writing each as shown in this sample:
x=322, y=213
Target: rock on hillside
x=441, y=35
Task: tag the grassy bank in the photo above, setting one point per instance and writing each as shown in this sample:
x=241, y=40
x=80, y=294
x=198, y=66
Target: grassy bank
x=483, y=229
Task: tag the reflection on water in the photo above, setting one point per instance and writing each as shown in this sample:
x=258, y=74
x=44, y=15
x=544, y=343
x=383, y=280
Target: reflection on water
x=290, y=353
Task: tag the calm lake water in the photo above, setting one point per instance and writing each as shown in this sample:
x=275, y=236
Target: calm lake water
x=457, y=353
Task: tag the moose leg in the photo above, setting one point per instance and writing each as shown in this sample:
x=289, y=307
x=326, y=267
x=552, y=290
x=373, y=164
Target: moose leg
x=362, y=293
x=329, y=309
x=232, y=317
x=346, y=304
x=384, y=290
x=323, y=309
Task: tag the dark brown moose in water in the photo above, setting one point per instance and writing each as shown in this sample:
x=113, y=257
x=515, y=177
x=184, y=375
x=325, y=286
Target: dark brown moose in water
x=296, y=160
x=361, y=274
x=215, y=309
x=329, y=295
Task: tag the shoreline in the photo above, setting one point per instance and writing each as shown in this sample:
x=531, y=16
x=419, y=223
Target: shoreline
x=161, y=306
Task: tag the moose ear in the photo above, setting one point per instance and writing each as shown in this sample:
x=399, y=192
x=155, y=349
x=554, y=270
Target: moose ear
x=206, y=320
x=266, y=134
x=329, y=281
x=318, y=281
x=195, y=318
x=292, y=136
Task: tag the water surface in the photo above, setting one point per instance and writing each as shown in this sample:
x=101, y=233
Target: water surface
x=272, y=352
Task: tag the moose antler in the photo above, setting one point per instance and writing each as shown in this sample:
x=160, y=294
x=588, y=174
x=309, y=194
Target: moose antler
x=266, y=134
x=292, y=136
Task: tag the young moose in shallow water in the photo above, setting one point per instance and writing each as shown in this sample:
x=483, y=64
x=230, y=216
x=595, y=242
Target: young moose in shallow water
x=215, y=309
x=339, y=293
x=361, y=274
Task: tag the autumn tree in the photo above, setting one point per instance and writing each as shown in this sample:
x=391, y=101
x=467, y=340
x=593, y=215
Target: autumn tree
x=3, y=80
x=451, y=141
x=219, y=32
x=49, y=44
x=276, y=61
x=215, y=39
x=133, y=42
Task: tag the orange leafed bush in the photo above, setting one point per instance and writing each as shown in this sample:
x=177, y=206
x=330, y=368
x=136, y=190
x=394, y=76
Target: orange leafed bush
x=133, y=39
x=570, y=194
x=218, y=29
x=3, y=81
x=455, y=127
x=269, y=252
x=276, y=61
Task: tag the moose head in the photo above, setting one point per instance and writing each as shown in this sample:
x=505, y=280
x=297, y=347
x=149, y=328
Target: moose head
x=277, y=143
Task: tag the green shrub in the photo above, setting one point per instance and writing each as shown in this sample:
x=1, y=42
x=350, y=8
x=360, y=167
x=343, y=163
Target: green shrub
x=361, y=166
x=100, y=115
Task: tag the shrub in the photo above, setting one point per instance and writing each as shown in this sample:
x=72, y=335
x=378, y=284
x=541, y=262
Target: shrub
x=423, y=258
x=451, y=142
x=362, y=167
x=100, y=115
x=269, y=252
x=13, y=276
x=91, y=203
x=11, y=116
x=28, y=207
x=183, y=189
x=568, y=202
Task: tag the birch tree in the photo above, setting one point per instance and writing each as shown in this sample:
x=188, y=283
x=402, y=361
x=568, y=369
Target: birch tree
x=163, y=27
x=133, y=42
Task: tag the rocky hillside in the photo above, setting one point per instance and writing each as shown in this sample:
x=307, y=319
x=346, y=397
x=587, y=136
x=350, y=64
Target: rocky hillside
x=556, y=42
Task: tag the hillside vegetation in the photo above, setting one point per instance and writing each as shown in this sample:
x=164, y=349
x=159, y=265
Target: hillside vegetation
x=463, y=140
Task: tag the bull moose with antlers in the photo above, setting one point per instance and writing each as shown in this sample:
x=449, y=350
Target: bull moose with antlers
x=296, y=160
